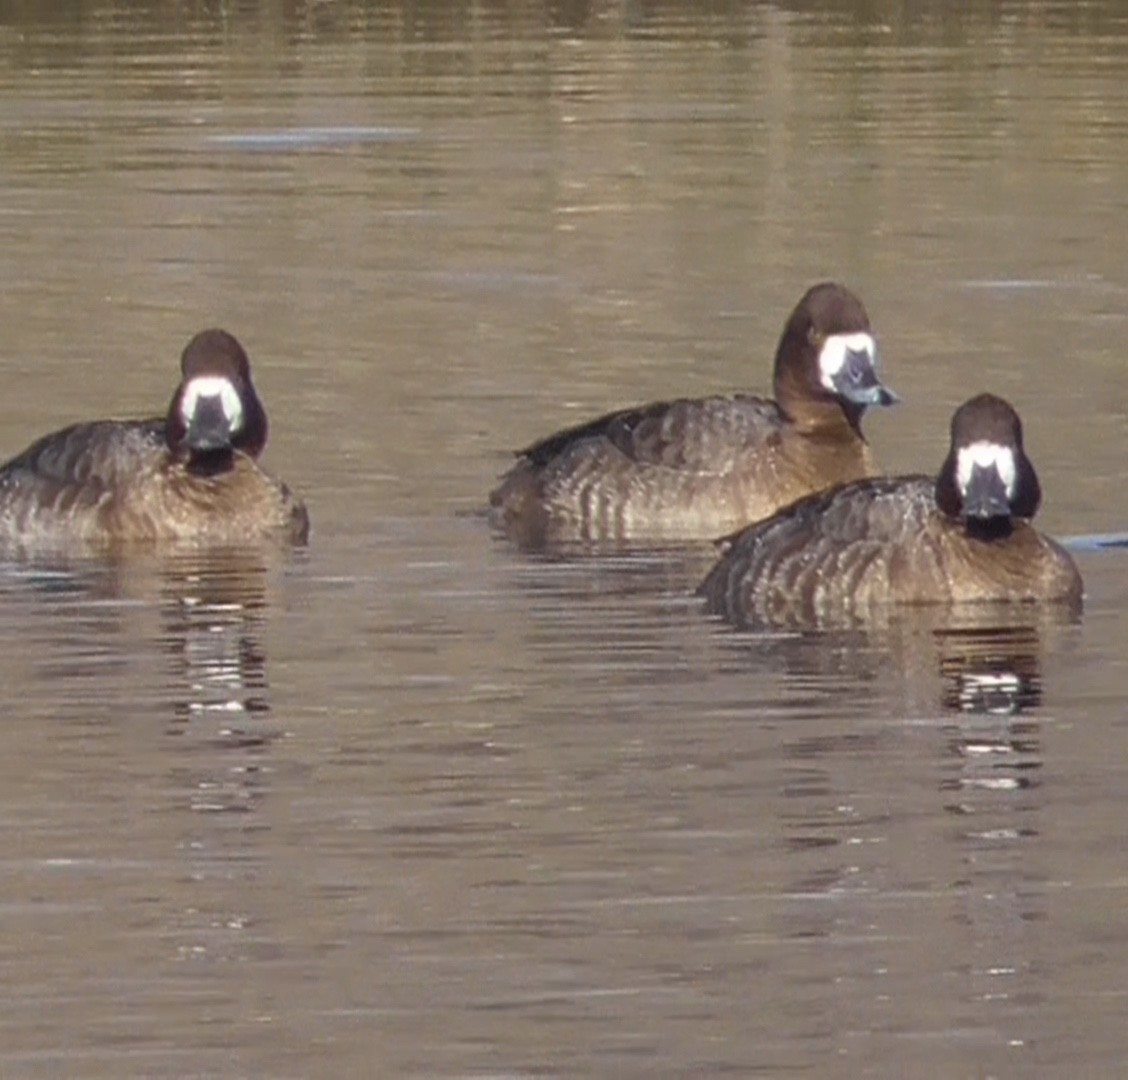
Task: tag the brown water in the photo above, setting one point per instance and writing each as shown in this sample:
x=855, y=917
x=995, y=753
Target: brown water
x=411, y=804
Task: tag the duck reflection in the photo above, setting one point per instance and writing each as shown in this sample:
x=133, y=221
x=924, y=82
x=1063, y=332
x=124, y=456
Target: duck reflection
x=212, y=610
x=178, y=634
x=213, y=607
x=988, y=656
x=995, y=667
x=923, y=829
x=571, y=573
x=992, y=790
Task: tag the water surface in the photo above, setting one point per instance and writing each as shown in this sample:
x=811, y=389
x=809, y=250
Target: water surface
x=414, y=804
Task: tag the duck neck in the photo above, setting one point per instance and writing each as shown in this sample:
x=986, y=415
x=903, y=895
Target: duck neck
x=827, y=416
x=989, y=529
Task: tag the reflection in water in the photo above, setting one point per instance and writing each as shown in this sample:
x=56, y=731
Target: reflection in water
x=568, y=573
x=88, y=620
x=212, y=609
x=874, y=864
x=988, y=656
x=538, y=820
x=139, y=738
x=435, y=23
x=86, y=609
x=991, y=668
x=992, y=679
x=213, y=606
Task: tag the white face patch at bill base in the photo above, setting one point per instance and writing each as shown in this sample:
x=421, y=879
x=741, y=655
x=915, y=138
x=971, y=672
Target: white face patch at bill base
x=835, y=350
x=213, y=386
x=987, y=455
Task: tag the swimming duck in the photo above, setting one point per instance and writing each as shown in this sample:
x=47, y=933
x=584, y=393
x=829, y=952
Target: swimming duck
x=697, y=468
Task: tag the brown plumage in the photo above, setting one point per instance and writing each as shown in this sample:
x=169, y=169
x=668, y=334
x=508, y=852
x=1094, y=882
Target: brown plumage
x=695, y=468
x=848, y=553
x=189, y=477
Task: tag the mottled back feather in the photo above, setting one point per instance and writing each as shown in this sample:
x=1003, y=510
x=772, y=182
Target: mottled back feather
x=101, y=450
x=845, y=552
x=681, y=434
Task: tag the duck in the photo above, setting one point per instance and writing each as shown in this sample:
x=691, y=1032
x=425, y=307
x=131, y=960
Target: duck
x=696, y=468
x=190, y=476
x=963, y=536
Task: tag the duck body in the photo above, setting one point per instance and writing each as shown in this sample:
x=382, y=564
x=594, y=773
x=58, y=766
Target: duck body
x=963, y=536
x=685, y=469
x=693, y=468
x=189, y=477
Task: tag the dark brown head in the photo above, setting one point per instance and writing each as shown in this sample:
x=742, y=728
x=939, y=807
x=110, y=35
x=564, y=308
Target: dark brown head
x=827, y=356
x=987, y=479
x=215, y=410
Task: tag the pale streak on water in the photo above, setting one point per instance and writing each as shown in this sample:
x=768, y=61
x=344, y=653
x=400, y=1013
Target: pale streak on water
x=413, y=804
